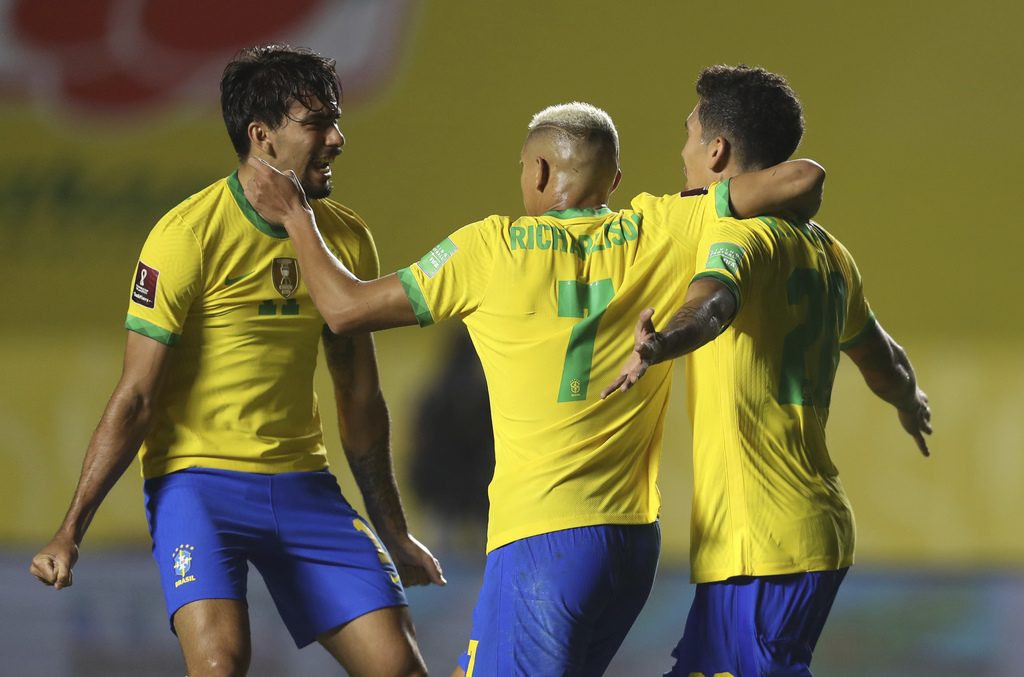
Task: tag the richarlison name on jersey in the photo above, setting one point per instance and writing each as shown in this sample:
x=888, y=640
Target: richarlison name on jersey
x=543, y=236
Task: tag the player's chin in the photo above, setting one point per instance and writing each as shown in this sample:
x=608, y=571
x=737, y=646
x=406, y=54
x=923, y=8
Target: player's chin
x=317, y=189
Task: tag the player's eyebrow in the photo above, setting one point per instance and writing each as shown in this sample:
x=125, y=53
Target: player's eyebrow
x=321, y=116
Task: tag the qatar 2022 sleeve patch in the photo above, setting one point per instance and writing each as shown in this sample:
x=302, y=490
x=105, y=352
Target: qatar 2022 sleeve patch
x=724, y=256
x=436, y=257
x=144, y=290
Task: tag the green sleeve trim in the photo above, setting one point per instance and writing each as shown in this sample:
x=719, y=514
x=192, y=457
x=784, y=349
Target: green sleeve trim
x=412, y=290
x=722, y=206
x=140, y=326
x=730, y=284
x=861, y=335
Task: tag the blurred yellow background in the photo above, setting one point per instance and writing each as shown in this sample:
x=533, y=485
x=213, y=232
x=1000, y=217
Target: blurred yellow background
x=912, y=108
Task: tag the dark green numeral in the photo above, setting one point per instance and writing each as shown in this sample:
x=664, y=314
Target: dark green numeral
x=289, y=307
x=826, y=304
x=587, y=301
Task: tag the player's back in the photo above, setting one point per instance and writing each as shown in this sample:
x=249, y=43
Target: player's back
x=759, y=401
x=551, y=303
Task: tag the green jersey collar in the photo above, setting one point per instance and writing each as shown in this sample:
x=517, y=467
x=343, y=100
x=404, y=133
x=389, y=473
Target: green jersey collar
x=576, y=213
x=251, y=214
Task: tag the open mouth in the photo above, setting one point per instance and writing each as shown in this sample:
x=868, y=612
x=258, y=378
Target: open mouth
x=323, y=167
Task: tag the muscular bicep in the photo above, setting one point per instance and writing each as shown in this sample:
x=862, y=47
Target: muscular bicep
x=713, y=300
x=793, y=187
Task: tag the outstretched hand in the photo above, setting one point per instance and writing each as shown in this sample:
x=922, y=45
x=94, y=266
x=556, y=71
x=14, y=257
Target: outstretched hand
x=918, y=421
x=275, y=195
x=415, y=564
x=53, y=564
x=640, y=359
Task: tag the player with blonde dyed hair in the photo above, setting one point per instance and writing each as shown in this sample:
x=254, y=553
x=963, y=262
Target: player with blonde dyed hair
x=573, y=537
x=577, y=119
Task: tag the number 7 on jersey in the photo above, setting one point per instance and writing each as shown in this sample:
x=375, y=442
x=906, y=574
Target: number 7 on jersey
x=586, y=301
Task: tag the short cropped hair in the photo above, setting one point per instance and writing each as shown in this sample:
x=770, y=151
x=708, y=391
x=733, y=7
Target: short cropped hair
x=261, y=83
x=579, y=120
x=756, y=111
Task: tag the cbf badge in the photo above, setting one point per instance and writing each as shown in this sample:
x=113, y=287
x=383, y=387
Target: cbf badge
x=286, y=276
x=183, y=563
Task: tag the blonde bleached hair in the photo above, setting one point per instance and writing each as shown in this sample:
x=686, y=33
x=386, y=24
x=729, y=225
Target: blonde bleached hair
x=580, y=120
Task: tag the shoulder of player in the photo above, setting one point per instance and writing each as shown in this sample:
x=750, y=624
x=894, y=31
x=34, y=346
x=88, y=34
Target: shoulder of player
x=336, y=212
x=650, y=200
x=194, y=212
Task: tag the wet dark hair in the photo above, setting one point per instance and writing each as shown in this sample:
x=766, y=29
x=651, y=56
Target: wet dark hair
x=261, y=84
x=756, y=111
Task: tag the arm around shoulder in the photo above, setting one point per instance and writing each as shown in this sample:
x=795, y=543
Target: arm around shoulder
x=792, y=188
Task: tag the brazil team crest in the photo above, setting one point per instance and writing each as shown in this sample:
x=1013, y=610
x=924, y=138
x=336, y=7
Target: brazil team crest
x=286, y=276
x=183, y=563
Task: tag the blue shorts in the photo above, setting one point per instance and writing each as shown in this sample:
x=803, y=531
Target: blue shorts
x=756, y=625
x=320, y=561
x=561, y=603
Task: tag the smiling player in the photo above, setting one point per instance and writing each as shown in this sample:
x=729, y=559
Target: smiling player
x=218, y=390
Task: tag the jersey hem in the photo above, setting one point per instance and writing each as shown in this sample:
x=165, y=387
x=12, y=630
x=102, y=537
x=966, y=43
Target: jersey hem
x=819, y=564
x=536, y=529
x=153, y=470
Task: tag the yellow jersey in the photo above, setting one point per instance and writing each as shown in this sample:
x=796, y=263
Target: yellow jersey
x=550, y=303
x=767, y=497
x=224, y=288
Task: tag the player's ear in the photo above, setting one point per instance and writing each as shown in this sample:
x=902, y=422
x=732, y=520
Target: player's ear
x=615, y=182
x=259, y=138
x=543, y=174
x=719, y=151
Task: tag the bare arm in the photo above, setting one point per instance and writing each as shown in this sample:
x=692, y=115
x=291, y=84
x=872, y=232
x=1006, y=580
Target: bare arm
x=708, y=307
x=111, y=450
x=345, y=302
x=888, y=372
x=366, y=437
x=790, y=188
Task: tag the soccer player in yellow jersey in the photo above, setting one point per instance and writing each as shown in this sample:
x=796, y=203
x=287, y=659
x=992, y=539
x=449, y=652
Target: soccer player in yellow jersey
x=217, y=389
x=573, y=538
x=775, y=300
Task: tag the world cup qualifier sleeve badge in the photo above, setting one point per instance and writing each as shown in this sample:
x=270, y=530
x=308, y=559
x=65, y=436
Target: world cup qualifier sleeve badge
x=183, y=564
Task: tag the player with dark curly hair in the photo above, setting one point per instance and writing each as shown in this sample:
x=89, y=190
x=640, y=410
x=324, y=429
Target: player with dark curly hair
x=217, y=389
x=773, y=302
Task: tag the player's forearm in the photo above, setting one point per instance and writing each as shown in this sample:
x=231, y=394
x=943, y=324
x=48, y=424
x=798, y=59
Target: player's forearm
x=111, y=451
x=333, y=288
x=892, y=378
x=793, y=188
x=373, y=469
x=689, y=329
